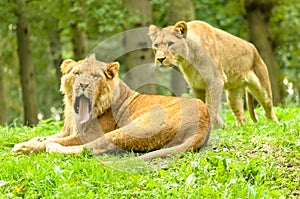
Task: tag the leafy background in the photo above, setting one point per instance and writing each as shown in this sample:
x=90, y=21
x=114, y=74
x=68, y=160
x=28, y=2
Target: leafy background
x=103, y=18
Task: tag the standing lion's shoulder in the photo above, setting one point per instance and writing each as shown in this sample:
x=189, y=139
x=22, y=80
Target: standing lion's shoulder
x=200, y=28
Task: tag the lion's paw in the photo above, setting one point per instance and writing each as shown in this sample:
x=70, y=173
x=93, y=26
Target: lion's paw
x=39, y=139
x=27, y=147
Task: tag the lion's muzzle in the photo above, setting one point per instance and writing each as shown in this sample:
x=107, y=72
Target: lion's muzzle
x=82, y=107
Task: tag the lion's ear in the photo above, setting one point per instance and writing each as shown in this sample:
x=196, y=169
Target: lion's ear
x=181, y=28
x=153, y=31
x=112, y=70
x=66, y=66
x=92, y=56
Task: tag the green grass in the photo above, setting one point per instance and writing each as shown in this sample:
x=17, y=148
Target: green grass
x=257, y=160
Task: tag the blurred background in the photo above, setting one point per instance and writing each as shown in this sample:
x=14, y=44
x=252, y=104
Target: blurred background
x=36, y=36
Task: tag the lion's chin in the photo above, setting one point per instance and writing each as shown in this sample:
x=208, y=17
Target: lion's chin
x=82, y=107
x=163, y=67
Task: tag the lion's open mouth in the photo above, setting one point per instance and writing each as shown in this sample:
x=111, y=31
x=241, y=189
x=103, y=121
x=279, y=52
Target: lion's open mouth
x=83, y=107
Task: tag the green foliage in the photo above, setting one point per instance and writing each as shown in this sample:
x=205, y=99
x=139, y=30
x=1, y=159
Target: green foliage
x=98, y=18
x=286, y=22
x=257, y=160
x=104, y=18
x=223, y=14
x=229, y=16
x=159, y=12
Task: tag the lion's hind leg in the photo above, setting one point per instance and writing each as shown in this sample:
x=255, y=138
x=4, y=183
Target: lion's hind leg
x=193, y=142
x=263, y=95
x=164, y=152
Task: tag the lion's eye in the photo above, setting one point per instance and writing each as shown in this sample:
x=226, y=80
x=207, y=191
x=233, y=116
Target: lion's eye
x=96, y=76
x=155, y=45
x=170, y=43
x=77, y=73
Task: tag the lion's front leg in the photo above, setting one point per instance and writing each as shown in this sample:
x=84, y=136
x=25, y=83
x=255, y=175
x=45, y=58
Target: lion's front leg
x=212, y=98
x=40, y=145
x=64, y=133
x=43, y=138
x=98, y=146
x=54, y=147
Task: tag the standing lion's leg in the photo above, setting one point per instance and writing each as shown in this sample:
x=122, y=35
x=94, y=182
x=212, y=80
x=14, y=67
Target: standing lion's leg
x=212, y=99
x=236, y=103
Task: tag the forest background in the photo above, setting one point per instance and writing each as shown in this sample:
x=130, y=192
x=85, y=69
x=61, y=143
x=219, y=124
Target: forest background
x=37, y=35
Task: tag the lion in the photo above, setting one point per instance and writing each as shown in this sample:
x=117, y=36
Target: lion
x=211, y=59
x=102, y=114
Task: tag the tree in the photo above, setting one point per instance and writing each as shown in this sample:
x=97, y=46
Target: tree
x=137, y=45
x=79, y=41
x=79, y=37
x=28, y=83
x=179, y=10
x=258, y=13
x=55, y=46
x=3, y=112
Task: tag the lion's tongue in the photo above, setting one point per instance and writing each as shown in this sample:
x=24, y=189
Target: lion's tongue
x=83, y=115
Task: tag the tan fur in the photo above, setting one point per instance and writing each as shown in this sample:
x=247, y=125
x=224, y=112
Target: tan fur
x=122, y=119
x=201, y=51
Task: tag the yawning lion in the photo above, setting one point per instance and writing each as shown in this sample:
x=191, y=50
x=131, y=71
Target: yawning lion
x=102, y=114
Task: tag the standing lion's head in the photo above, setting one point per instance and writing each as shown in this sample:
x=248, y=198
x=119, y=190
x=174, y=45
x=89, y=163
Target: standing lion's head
x=169, y=44
x=88, y=86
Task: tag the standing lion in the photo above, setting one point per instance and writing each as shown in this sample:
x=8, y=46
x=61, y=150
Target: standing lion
x=211, y=59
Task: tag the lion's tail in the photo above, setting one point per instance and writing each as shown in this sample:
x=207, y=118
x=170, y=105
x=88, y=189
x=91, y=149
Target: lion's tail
x=250, y=105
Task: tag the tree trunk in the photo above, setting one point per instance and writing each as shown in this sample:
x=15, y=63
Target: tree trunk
x=79, y=37
x=55, y=47
x=3, y=112
x=258, y=14
x=27, y=74
x=180, y=10
x=138, y=46
x=79, y=41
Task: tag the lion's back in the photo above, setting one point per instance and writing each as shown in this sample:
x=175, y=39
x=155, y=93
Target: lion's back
x=207, y=33
x=171, y=109
x=230, y=53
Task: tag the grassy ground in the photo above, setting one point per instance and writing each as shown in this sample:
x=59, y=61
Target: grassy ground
x=257, y=160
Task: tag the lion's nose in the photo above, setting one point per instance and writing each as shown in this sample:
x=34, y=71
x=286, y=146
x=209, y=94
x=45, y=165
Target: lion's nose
x=84, y=85
x=161, y=59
